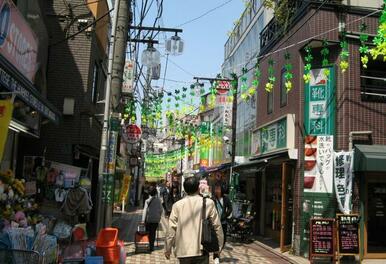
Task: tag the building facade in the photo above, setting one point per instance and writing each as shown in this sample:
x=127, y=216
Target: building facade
x=334, y=111
x=285, y=121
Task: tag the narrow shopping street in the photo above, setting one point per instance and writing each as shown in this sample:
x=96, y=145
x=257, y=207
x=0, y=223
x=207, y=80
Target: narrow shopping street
x=233, y=253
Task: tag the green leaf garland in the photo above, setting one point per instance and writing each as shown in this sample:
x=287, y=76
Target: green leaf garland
x=380, y=39
x=271, y=76
x=307, y=67
x=344, y=53
x=288, y=75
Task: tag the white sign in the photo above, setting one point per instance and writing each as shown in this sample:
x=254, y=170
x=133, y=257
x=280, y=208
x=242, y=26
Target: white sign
x=228, y=115
x=318, y=172
x=128, y=78
x=343, y=178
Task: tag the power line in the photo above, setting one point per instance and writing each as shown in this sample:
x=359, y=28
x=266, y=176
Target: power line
x=204, y=14
x=182, y=69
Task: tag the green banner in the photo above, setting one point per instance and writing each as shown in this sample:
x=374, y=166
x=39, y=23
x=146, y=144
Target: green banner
x=319, y=120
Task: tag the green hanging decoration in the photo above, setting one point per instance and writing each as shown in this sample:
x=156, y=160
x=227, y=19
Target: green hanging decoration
x=307, y=67
x=244, y=80
x=288, y=75
x=271, y=76
x=325, y=52
x=344, y=53
x=192, y=87
x=380, y=39
x=364, y=49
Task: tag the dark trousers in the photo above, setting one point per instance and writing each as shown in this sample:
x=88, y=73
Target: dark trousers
x=204, y=259
x=225, y=231
x=152, y=229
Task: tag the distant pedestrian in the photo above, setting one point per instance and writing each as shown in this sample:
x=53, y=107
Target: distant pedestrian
x=152, y=215
x=185, y=225
x=145, y=192
x=224, y=209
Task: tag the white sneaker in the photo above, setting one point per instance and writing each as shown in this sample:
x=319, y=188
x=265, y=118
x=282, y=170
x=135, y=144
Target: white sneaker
x=216, y=261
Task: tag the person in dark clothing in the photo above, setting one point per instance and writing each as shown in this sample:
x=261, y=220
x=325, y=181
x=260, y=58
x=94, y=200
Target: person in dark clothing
x=224, y=209
x=170, y=196
x=152, y=215
x=145, y=193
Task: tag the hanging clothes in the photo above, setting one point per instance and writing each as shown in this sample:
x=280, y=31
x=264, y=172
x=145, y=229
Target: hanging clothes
x=77, y=202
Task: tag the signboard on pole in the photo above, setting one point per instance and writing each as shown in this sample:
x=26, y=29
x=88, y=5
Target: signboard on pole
x=128, y=78
x=343, y=178
x=132, y=134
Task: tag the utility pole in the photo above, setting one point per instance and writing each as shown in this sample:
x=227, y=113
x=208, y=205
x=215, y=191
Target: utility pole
x=116, y=60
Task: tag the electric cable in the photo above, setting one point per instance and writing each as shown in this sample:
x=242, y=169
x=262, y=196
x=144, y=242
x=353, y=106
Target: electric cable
x=204, y=14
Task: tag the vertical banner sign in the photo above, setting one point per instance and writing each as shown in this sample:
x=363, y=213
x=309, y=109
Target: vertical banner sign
x=128, y=78
x=112, y=151
x=343, y=178
x=108, y=188
x=204, y=150
x=319, y=124
x=125, y=187
x=6, y=108
x=319, y=165
x=319, y=114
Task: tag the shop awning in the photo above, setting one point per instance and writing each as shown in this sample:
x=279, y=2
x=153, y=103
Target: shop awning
x=15, y=82
x=370, y=158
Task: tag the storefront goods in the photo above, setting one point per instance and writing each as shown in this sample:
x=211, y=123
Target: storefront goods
x=77, y=202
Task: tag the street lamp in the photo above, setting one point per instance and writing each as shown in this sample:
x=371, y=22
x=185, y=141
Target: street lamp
x=174, y=46
x=151, y=57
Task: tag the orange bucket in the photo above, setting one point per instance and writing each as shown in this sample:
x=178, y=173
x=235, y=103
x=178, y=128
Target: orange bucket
x=107, y=237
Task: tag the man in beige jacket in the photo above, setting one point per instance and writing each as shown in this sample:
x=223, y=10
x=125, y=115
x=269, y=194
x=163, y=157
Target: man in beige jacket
x=185, y=224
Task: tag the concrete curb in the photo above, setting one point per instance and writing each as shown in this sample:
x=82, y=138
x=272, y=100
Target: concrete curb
x=278, y=254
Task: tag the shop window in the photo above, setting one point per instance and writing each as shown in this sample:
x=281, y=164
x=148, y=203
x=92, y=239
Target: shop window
x=95, y=80
x=373, y=81
x=270, y=102
x=283, y=90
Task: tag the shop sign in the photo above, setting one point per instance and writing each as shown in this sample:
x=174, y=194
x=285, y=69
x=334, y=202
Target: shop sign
x=132, y=133
x=108, y=188
x=318, y=164
x=27, y=96
x=348, y=234
x=125, y=187
x=112, y=152
x=322, y=238
x=128, y=78
x=319, y=114
x=227, y=114
x=343, y=178
x=6, y=108
x=274, y=136
x=18, y=43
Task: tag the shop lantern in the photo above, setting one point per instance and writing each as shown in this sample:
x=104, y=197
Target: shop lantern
x=174, y=45
x=151, y=57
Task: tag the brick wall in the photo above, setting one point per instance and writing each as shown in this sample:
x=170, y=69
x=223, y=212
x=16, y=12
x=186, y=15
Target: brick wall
x=70, y=74
x=352, y=114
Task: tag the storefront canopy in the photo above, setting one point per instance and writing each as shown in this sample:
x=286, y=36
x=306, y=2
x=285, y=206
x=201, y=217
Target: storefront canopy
x=370, y=158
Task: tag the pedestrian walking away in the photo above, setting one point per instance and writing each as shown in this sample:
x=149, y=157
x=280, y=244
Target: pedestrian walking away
x=151, y=215
x=224, y=209
x=185, y=226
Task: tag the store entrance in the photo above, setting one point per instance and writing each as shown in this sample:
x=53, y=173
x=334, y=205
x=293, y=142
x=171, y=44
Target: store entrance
x=375, y=225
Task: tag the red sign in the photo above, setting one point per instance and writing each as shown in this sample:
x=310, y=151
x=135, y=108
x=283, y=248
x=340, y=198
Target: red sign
x=133, y=133
x=18, y=43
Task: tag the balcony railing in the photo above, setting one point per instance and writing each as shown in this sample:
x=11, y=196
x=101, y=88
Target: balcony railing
x=274, y=30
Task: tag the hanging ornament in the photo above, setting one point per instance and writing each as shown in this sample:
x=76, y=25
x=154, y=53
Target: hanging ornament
x=325, y=52
x=307, y=67
x=288, y=72
x=344, y=53
x=364, y=49
x=271, y=76
x=380, y=39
